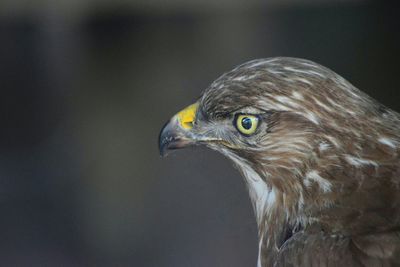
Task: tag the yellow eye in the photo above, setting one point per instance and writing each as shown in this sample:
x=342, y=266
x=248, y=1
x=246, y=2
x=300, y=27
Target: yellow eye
x=246, y=124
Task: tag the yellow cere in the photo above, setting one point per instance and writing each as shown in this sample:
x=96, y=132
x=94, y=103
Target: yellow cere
x=187, y=116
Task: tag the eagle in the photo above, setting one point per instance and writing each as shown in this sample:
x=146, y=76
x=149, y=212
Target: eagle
x=320, y=159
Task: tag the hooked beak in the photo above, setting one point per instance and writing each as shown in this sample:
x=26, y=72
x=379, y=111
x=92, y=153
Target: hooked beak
x=177, y=133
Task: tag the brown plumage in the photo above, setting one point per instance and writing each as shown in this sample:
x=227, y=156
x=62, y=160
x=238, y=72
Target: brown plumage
x=322, y=165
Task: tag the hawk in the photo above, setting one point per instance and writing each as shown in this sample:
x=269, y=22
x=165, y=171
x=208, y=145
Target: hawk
x=320, y=159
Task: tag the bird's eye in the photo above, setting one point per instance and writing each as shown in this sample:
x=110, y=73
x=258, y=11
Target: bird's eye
x=246, y=124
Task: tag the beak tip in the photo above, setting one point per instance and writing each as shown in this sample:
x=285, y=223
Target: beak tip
x=162, y=141
x=163, y=150
x=171, y=138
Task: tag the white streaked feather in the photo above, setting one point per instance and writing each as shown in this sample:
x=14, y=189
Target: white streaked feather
x=387, y=141
x=314, y=176
x=358, y=162
x=262, y=196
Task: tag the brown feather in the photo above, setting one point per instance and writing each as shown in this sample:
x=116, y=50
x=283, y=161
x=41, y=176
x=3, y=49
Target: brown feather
x=323, y=169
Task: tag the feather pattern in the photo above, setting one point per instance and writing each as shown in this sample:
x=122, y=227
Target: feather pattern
x=323, y=170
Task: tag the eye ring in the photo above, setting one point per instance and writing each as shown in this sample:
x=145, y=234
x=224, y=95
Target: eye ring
x=246, y=124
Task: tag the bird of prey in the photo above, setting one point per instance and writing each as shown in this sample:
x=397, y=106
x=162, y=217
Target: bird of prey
x=320, y=158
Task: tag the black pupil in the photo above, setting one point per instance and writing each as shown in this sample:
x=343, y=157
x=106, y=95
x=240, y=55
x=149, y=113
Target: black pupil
x=246, y=123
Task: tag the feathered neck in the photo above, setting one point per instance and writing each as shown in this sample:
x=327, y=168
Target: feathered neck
x=276, y=211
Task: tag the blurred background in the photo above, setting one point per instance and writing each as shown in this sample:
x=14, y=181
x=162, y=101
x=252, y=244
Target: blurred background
x=87, y=85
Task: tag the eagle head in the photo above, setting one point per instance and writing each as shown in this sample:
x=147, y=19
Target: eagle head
x=302, y=137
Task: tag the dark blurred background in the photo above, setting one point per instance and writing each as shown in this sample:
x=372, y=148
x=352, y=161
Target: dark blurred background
x=87, y=85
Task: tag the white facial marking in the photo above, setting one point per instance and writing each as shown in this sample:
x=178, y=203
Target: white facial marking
x=314, y=176
x=258, y=63
x=386, y=141
x=305, y=71
x=287, y=101
x=323, y=146
x=265, y=104
x=309, y=64
x=303, y=81
x=358, y=162
x=322, y=105
x=275, y=72
x=311, y=116
x=244, y=77
x=240, y=78
x=297, y=95
x=332, y=140
x=317, y=73
x=262, y=196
